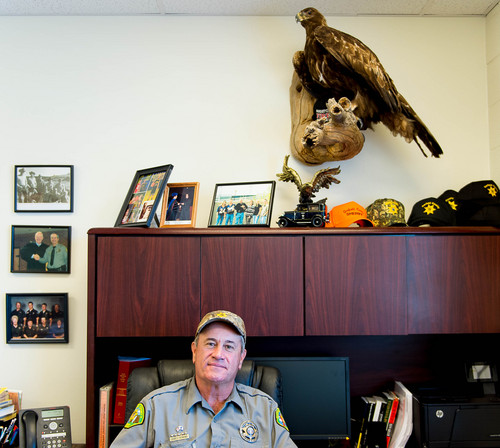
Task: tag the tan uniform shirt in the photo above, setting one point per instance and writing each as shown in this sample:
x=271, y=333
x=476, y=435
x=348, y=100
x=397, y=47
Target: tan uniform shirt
x=178, y=416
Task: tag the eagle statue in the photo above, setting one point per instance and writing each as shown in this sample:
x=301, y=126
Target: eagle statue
x=322, y=179
x=335, y=65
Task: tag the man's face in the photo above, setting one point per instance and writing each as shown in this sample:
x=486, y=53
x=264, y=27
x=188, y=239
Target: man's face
x=54, y=239
x=38, y=237
x=18, y=305
x=30, y=306
x=218, y=356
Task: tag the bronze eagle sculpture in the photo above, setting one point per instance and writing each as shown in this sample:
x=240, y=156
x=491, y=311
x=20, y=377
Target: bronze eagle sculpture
x=322, y=179
x=335, y=64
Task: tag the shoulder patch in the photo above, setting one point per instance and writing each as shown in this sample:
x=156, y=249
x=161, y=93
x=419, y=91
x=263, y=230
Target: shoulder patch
x=137, y=417
x=280, y=420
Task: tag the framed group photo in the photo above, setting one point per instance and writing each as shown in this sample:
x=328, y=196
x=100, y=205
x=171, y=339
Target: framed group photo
x=43, y=188
x=36, y=318
x=41, y=249
x=242, y=204
x=179, y=205
x=143, y=197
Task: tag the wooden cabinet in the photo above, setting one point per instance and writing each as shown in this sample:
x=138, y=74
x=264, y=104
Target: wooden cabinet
x=260, y=279
x=405, y=303
x=355, y=285
x=454, y=284
x=147, y=286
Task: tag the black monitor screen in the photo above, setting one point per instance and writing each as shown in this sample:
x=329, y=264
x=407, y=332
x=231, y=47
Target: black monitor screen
x=316, y=396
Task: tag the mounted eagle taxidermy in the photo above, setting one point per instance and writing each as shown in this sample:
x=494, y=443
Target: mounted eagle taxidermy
x=336, y=65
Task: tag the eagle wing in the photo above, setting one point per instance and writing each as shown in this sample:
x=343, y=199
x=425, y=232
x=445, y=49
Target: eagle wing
x=289, y=174
x=324, y=178
x=358, y=59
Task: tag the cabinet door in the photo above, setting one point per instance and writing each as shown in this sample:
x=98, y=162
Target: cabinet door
x=453, y=284
x=355, y=285
x=259, y=278
x=147, y=286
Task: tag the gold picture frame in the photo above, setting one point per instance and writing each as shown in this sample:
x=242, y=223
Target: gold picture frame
x=180, y=202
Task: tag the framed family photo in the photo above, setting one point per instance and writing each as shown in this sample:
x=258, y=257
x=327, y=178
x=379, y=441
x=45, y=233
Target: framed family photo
x=43, y=188
x=41, y=249
x=143, y=197
x=179, y=205
x=36, y=318
x=242, y=204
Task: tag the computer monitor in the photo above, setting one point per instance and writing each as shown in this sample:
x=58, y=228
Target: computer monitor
x=316, y=396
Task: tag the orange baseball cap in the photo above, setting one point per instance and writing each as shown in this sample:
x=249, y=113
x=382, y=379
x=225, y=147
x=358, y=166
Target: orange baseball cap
x=345, y=215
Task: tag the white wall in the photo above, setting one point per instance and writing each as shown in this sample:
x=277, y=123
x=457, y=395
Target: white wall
x=112, y=95
x=493, y=61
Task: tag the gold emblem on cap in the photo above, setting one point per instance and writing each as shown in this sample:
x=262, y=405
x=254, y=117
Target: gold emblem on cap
x=430, y=208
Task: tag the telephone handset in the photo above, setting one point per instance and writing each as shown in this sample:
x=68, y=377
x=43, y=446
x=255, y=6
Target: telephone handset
x=45, y=428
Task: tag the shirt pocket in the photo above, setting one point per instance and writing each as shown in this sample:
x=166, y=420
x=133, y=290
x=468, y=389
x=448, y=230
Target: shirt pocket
x=238, y=442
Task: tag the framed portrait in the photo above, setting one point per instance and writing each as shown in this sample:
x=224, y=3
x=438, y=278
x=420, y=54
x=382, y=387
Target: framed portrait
x=179, y=205
x=41, y=249
x=43, y=188
x=242, y=204
x=143, y=197
x=37, y=318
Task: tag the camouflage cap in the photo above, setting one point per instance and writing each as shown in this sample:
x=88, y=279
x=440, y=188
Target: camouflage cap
x=386, y=213
x=223, y=316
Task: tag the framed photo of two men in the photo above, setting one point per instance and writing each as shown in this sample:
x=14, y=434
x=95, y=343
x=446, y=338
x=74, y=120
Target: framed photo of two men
x=43, y=188
x=41, y=249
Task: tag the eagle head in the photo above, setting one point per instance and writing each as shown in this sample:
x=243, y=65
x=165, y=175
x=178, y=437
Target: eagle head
x=310, y=17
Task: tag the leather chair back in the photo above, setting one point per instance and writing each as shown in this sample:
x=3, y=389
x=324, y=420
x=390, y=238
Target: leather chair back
x=143, y=380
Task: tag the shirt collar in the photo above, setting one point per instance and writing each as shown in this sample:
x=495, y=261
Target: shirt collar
x=194, y=397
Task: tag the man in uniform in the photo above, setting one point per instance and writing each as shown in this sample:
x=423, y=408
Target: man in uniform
x=45, y=313
x=43, y=329
x=209, y=409
x=19, y=312
x=29, y=331
x=56, y=256
x=31, y=314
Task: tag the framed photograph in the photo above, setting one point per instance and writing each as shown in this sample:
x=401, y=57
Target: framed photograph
x=43, y=188
x=41, y=249
x=36, y=318
x=143, y=197
x=242, y=204
x=179, y=205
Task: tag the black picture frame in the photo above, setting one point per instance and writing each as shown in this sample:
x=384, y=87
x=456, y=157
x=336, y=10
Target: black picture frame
x=143, y=197
x=229, y=195
x=31, y=254
x=51, y=308
x=43, y=188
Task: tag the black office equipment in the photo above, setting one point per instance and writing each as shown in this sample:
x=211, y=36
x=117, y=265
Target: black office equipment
x=45, y=427
x=316, y=396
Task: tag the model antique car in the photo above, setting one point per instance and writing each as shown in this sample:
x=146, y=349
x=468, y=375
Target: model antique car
x=314, y=214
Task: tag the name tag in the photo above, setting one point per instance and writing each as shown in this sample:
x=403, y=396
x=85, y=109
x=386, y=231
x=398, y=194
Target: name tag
x=180, y=436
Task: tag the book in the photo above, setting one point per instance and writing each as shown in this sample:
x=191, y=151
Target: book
x=403, y=424
x=105, y=404
x=7, y=411
x=390, y=417
x=17, y=397
x=368, y=406
x=374, y=436
x=379, y=405
x=5, y=403
x=125, y=365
